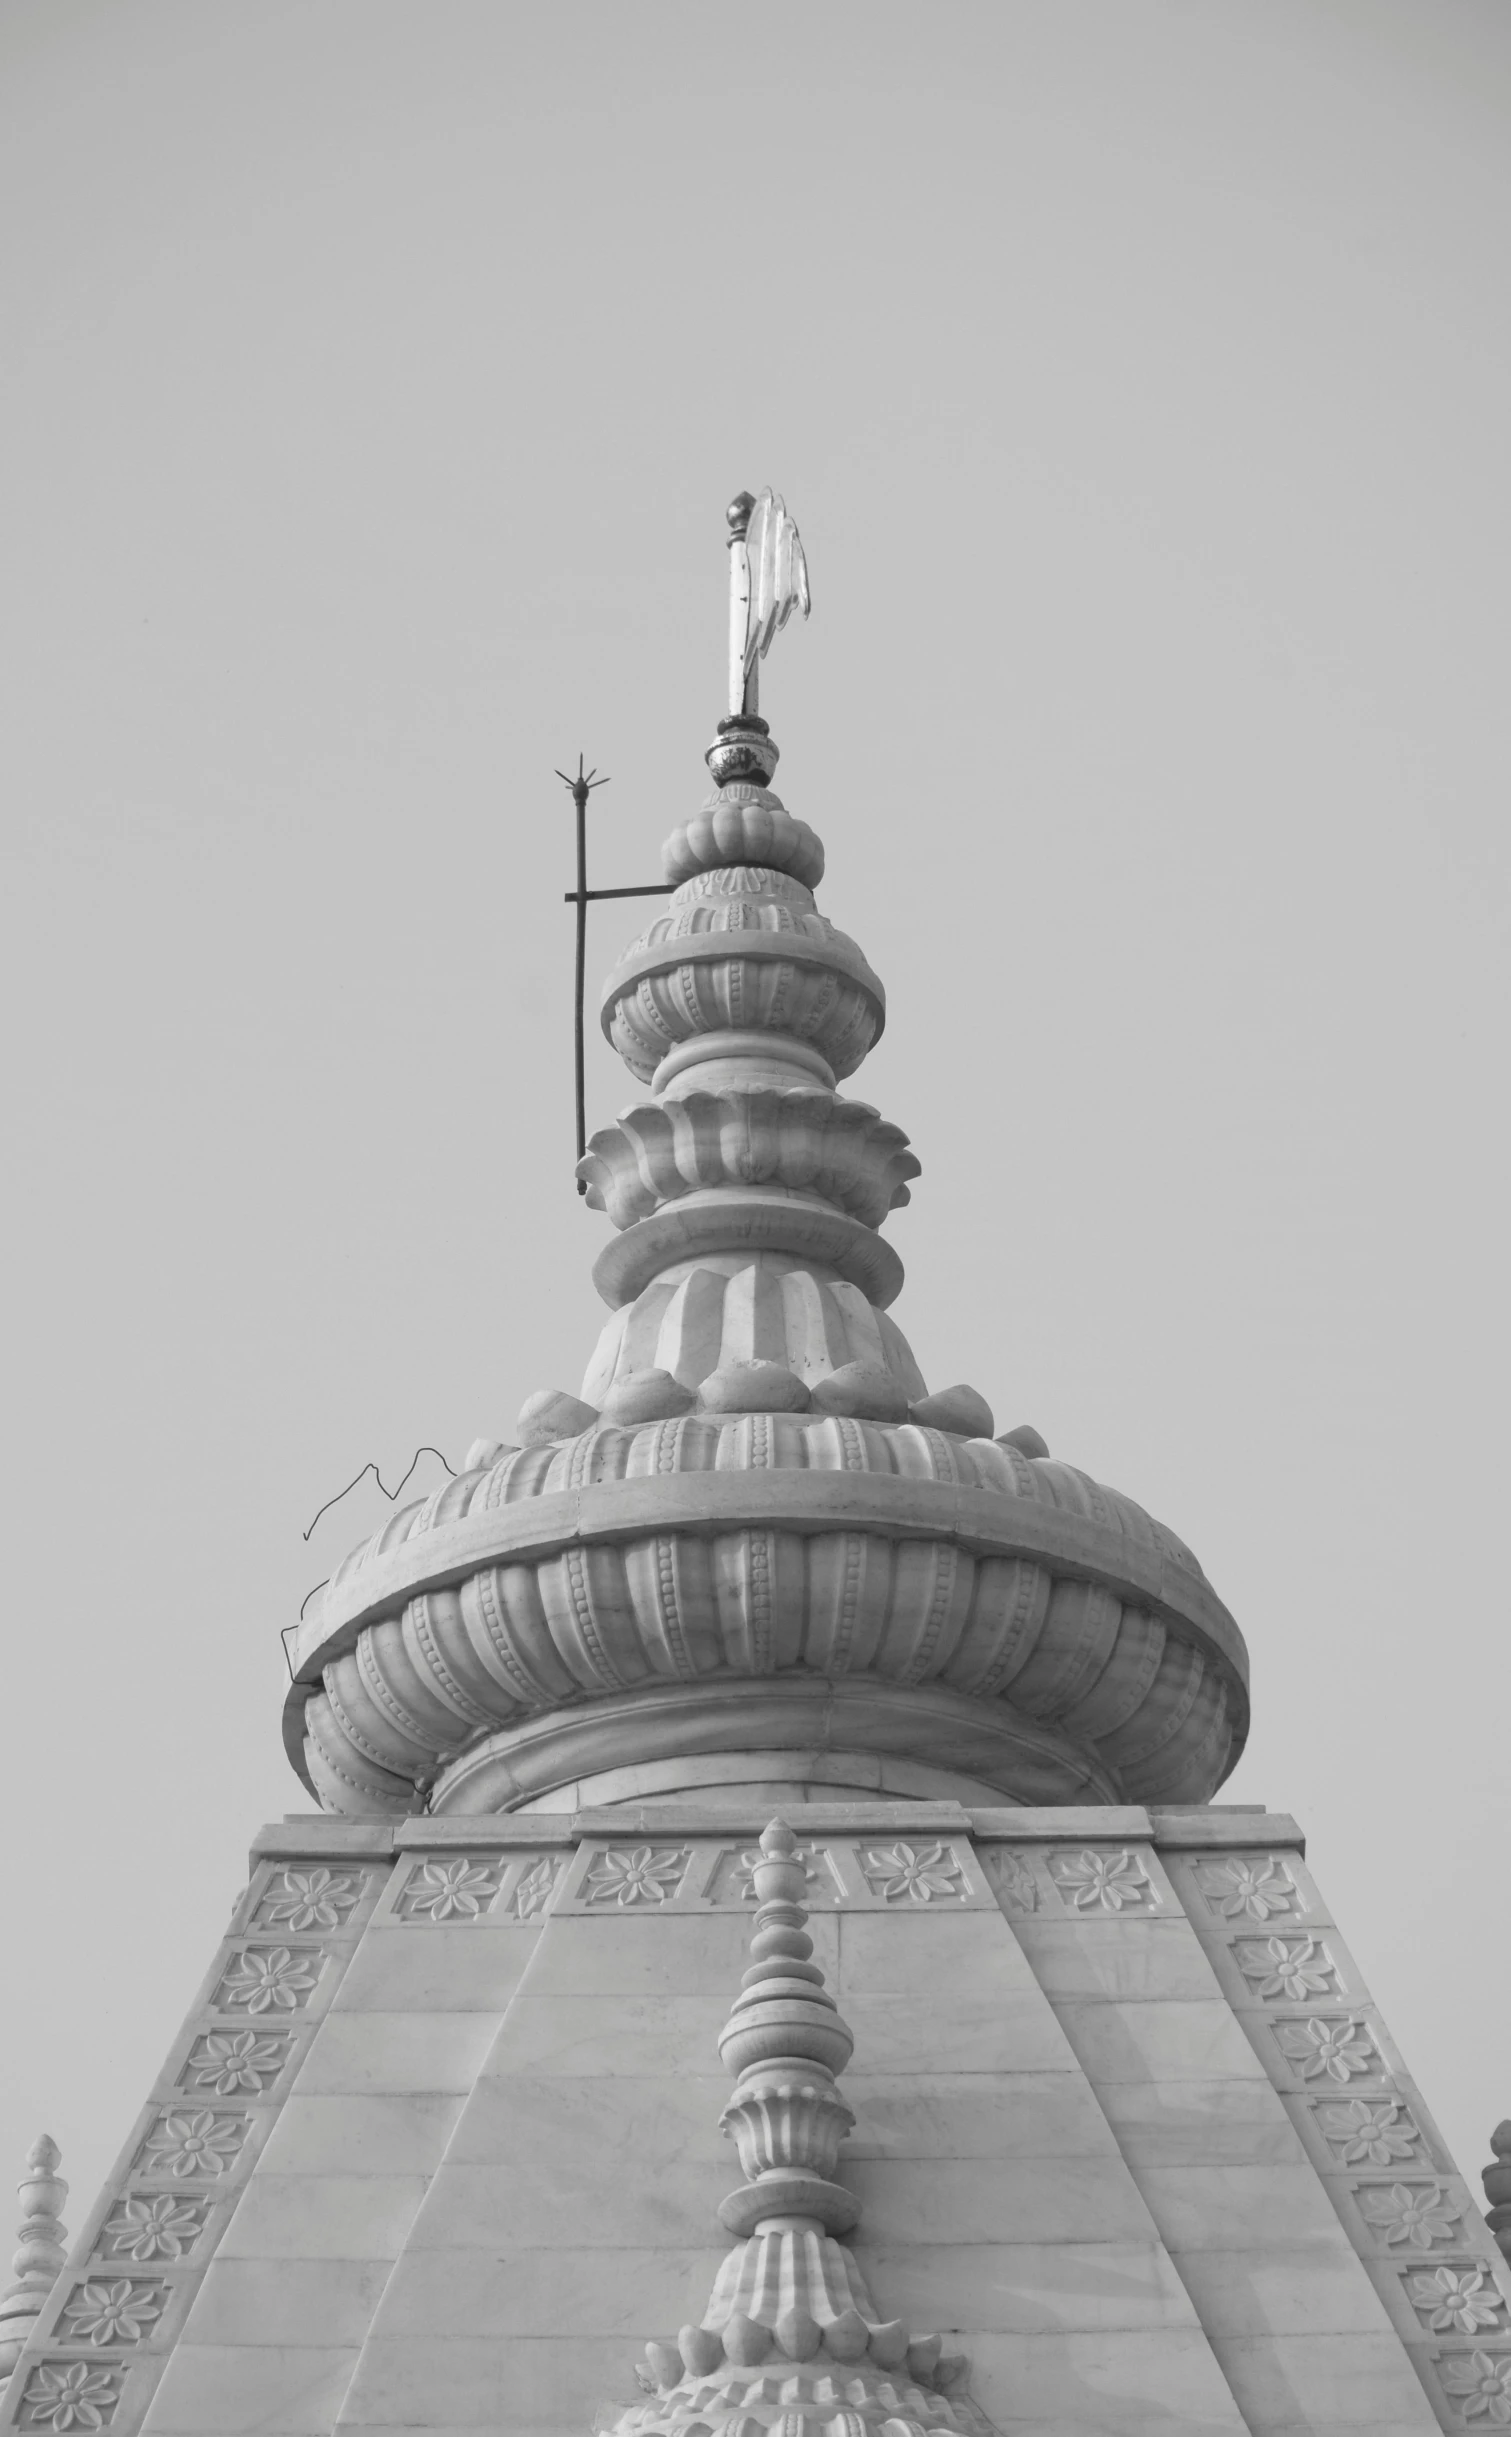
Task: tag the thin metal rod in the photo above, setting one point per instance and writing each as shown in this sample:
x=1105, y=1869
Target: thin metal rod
x=737, y=517
x=580, y=799
x=580, y=788
x=653, y=888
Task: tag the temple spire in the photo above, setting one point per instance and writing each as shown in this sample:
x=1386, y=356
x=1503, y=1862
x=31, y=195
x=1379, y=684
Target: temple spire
x=754, y=1415
x=791, y=2341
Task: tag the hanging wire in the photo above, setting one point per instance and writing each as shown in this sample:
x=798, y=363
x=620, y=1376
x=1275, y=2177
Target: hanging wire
x=389, y=1494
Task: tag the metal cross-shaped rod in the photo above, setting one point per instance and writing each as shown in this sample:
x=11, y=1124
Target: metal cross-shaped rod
x=580, y=788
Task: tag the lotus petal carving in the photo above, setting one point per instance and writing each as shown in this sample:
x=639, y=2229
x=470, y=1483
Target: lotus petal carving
x=809, y=1141
x=744, y=825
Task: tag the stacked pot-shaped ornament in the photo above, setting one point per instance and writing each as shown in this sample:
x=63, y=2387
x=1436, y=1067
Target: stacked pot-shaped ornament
x=754, y=1550
x=742, y=1009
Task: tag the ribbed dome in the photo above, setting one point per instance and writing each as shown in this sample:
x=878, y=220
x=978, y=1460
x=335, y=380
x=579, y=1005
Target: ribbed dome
x=1058, y=1618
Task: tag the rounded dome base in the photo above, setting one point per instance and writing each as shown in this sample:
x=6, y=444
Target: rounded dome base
x=791, y=1721
x=767, y=1781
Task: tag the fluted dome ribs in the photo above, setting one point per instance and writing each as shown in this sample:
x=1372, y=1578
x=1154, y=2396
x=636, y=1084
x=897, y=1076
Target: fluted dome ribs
x=767, y=1310
x=749, y=1546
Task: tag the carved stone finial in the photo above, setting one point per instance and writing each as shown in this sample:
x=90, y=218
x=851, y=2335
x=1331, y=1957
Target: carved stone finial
x=785, y=2041
x=791, y=2341
x=743, y=1009
x=41, y=2257
x=1497, y=2182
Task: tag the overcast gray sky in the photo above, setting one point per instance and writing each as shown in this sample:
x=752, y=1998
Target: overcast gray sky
x=376, y=372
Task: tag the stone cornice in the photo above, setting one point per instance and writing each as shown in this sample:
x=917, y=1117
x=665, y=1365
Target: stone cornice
x=1218, y=1827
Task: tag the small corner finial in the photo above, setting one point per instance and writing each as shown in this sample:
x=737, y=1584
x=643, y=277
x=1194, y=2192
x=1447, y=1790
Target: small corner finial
x=40, y=2258
x=737, y=515
x=778, y=1840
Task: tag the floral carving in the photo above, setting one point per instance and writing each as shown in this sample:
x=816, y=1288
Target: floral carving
x=1249, y=1890
x=119, y=2312
x=1287, y=1967
x=1337, y=2049
x=228, y=2061
x=1456, y=2300
x=644, y=1874
x=311, y=1898
x=153, y=2225
x=451, y=1891
x=1102, y=1882
x=202, y=2143
x=1369, y=2132
x=1480, y=2383
x=1014, y=1881
x=912, y=1874
x=70, y=2395
x=532, y=1892
x=268, y=1979
x=1416, y=2213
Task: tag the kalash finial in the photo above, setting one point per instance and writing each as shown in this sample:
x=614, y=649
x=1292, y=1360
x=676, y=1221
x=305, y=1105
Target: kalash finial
x=768, y=580
x=791, y=2343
